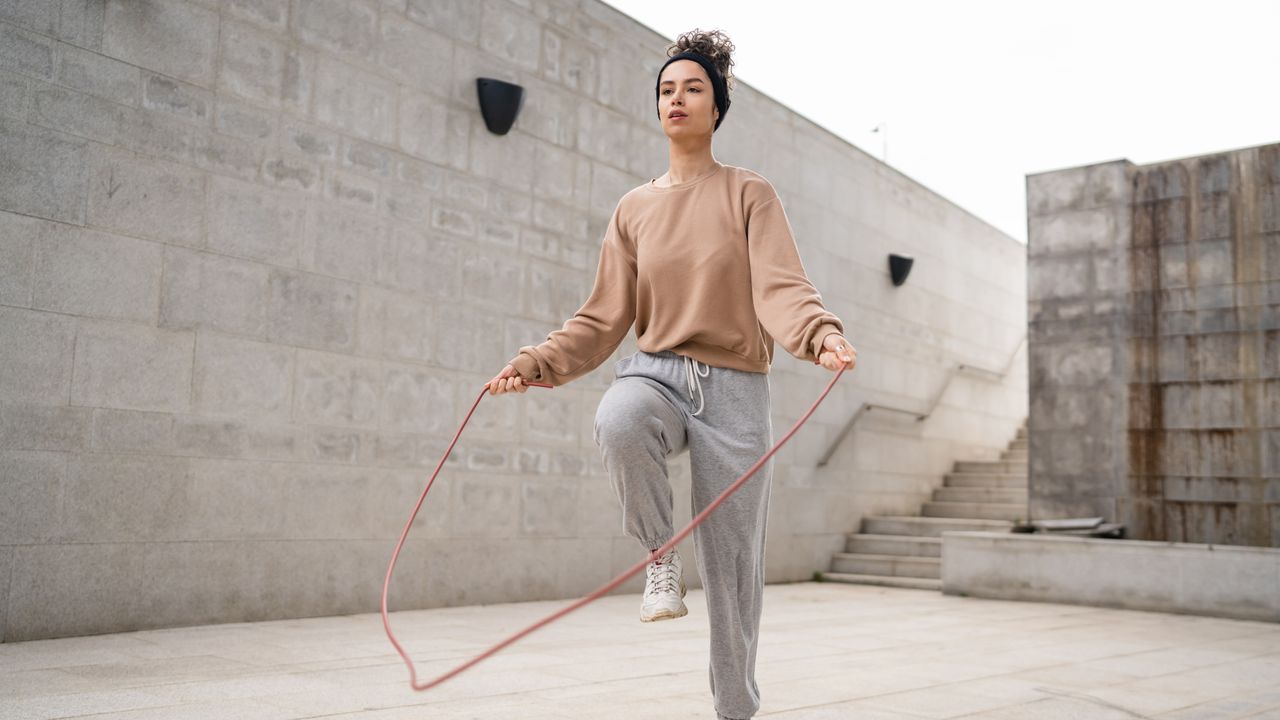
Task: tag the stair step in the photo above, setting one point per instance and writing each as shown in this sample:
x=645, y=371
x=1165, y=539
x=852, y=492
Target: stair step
x=1015, y=456
x=927, y=526
x=884, y=580
x=985, y=480
x=990, y=511
x=991, y=466
x=895, y=565
x=981, y=495
x=893, y=545
x=1019, y=445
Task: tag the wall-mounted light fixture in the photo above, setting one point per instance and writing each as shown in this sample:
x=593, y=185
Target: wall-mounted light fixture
x=899, y=267
x=500, y=103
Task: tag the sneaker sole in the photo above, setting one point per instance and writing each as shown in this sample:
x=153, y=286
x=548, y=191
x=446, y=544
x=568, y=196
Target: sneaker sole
x=668, y=614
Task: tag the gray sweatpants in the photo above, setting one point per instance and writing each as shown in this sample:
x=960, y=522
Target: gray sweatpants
x=646, y=416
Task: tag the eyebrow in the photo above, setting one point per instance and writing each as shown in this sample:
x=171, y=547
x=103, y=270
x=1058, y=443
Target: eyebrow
x=664, y=82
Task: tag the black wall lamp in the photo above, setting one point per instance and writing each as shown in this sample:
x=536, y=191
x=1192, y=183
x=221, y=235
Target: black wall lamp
x=500, y=103
x=899, y=267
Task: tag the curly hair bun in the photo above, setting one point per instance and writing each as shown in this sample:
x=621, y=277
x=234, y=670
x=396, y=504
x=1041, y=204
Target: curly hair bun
x=714, y=44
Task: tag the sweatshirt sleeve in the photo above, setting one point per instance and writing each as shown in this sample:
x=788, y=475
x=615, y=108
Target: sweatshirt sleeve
x=599, y=326
x=788, y=305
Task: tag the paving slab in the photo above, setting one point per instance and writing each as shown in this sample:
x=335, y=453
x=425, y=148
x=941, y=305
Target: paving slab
x=828, y=651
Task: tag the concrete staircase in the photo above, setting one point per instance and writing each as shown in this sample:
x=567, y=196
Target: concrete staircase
x=906, y=551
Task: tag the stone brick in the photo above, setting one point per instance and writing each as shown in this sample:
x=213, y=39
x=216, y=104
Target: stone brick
x=311, y=311
x=145, y=197
x=469, y=339
x=580, y=67
x=395, y=325
x=407, y=203
x=36, y=356
x=555, y=173
x=355, y=191
x=125, y=498
x=355, y=101
x=97, y=75
x=553, y=293
x=272, y=14
x=80, y=114
x=253, y=64
x=44, y=427
x=548, y=507
x=314, y=142
x=172, y=37
x=26, y=53
x=507, y=159
x=552, y=418
x=602, y=133
x=242, y=378
x=18, y=238
x=367, y=158
x=549, y=113
x=458, y=19
x=511, y=34
x=469, y=63
x=418, y=57
x=15, y=96
x=334, y=445
x=43, y=173
x=81, y=21
x=202, y=290
x=38, y=15
x=343, y=26
x=343, y=243
x=185, y=142
x=291, y=172
x=30, y=496
x=242, y=120
x=209, y=437
x=250, y=221
x=417, y=400
x=299, y=81
x=489, y=505
x=83, y=272
x=420, y=263
x=130, y=431
x=132, y=367
x=176, y=98
x=431, y=131
x=337, y=389
x=492, y=279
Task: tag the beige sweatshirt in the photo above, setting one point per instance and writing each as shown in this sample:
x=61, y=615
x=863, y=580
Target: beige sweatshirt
x=706, y=268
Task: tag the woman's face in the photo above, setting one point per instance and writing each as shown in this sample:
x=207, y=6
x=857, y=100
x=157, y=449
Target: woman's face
x=686, y=100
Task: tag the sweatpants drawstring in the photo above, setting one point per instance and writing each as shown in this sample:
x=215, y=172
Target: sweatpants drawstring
x=692, y=373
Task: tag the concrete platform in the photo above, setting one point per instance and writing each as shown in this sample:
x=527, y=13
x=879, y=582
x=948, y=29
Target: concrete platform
x=828, y=651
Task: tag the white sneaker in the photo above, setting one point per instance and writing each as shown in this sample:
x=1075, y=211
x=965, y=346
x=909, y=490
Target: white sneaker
x=663, y=589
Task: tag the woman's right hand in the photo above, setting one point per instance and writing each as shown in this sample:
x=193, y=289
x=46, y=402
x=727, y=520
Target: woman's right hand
x=507, y=381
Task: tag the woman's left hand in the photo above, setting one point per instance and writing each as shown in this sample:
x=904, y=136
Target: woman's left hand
x=838, y=352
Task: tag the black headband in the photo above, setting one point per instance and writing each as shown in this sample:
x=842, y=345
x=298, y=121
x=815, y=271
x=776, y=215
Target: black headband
x=720, y=90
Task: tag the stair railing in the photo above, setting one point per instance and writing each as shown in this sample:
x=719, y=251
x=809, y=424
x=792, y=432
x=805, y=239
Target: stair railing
x=866, y=407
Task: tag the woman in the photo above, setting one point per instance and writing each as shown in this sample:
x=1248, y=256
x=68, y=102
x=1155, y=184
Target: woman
x=703, y=262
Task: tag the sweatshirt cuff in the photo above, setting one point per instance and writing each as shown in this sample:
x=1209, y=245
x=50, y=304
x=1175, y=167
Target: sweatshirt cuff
x=526, y=365
x=823, y=331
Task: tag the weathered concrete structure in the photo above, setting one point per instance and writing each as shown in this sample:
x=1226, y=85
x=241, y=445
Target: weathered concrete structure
x=257, y=258
x=1154, y=344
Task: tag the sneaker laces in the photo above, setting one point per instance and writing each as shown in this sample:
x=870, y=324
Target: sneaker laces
x=662, y=574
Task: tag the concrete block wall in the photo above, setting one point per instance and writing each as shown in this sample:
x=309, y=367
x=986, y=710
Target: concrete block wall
x=1155, y=346
x=258, y=256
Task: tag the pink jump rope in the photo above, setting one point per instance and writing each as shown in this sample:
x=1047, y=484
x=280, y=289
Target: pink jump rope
x=602, y=590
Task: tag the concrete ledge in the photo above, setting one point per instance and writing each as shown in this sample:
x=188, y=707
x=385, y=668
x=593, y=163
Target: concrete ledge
x=1218, y=580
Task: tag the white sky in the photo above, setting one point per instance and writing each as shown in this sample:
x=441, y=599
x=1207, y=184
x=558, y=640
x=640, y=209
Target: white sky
x=978, y=94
